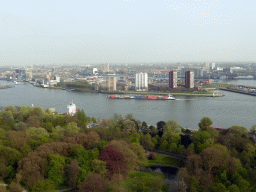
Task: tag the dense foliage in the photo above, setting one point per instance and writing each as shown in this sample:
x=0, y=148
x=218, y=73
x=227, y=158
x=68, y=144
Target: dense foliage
x=44, y=151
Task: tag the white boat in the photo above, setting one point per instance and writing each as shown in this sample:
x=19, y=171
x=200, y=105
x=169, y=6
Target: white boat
x=72, y=109
x=170, y=97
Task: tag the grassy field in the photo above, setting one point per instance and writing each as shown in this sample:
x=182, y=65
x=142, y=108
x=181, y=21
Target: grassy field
x=165, y=160
x=141, y=181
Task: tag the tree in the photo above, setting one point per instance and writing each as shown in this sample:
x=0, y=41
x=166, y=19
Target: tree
x=154, y=141
x=58, y=120
x=99, y=167
x=94, y=182
x=3, y=188
x=23, y=113
x=81, y=119
x=164, y=145
x=34, y=132
x=43, y=185
x=160, y=128
x=253, y=130
x=237, y=130
x=34, y=166
x=233, y=188
x=202, y=140
x=114, y=160
x=172, y=126
x=33, y=121
x=90, y=139
x=19, y=140
x=140, y=152
x=11, y=108
x=7, y=120
x=37, y=111
x=129, y=116
x=152, y=155
x=73, y=171
x=84, y=157
x=212, y=157
x=219, y=187
x=15, y=187
x=131, y=158
x=173, y=147
x=135, y=138
x=72, y=129
x=57, y=133
x=117, y=117
x=94, y=120
x=48, y=126
x=146, y=142
x=56, y=169
x=144, y=128
x=129, y=125
x=205, y=123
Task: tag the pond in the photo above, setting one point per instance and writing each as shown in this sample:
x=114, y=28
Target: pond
x=169, y=172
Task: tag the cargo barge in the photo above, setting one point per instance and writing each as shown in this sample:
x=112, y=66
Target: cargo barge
x=149, y=97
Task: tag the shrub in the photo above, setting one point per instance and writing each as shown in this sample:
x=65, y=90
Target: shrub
x=152, y=155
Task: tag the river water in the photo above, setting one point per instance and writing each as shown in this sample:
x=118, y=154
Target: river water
x=232, y=109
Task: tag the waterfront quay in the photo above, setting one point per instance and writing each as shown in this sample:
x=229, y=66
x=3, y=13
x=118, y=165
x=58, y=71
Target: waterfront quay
x=195, y=94
x=241, y=91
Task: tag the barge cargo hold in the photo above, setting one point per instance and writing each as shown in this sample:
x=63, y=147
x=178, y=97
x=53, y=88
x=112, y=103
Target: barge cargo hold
x=138, y=97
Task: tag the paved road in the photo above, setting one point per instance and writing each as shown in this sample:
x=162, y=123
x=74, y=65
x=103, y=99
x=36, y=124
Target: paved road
x=164, y=165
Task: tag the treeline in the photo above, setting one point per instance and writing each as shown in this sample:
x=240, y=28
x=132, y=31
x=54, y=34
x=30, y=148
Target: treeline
x=78, y=85
x=44, y=151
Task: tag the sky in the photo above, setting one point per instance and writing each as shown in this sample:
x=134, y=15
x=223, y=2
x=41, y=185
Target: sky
x=126, y=31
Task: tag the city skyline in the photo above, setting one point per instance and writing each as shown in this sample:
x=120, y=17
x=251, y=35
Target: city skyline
x=36, y=32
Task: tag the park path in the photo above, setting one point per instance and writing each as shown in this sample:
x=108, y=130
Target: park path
x=164, y=165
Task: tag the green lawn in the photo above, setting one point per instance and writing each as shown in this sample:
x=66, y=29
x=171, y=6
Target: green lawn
x=140, y=181
x=162, y=159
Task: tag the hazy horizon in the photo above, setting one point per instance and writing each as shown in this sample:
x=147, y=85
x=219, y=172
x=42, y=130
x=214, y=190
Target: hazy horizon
x=121, y=31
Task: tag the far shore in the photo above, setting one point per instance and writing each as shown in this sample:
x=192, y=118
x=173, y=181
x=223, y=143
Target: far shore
x=166, y=93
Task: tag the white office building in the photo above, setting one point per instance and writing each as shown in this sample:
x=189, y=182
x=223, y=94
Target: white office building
x=141, y=82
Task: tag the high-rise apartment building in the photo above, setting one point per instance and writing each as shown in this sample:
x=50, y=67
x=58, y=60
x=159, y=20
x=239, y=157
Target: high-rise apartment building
x=173, y=79
x=189, y=79
x=141, y=82
x=213, y=65
x=57, y=78
x=111, y=83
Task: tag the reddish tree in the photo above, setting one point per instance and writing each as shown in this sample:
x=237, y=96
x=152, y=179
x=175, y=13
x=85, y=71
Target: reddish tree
x=114, y=159
x=152, y=155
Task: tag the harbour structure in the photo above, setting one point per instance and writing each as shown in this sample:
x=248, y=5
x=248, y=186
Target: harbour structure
x=189, y=79
x=141, y=81
x=111, y=83
x=173, y=79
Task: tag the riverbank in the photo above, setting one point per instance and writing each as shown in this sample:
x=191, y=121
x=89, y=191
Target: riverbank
x=193, y=94
x=238, y=91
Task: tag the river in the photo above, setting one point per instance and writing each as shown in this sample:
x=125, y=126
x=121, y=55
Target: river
x=232, y=109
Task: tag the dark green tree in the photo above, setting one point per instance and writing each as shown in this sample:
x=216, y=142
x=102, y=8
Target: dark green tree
x=205, y=123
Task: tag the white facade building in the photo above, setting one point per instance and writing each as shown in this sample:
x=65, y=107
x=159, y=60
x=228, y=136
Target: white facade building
x=213, y=65
x=91, y=71
x=141, y=82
